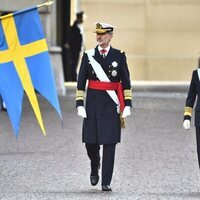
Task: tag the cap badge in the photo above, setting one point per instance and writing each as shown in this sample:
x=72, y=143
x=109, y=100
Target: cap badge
x=98, y=26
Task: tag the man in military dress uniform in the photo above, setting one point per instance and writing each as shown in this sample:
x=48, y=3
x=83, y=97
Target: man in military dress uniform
x=108, y=100
x=194, y=91
x=76, y=43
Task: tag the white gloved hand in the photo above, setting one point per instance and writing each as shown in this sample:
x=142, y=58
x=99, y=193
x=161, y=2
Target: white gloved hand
x=4, y=105
x=81, y=111
x=126, y=111
x=186, y=124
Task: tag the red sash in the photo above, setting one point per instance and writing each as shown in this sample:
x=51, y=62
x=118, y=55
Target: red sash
x=117, y=86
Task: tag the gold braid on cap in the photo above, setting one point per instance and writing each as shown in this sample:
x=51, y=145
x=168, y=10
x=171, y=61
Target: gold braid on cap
x=188, y=111
x=127, y=94
x=101, y=30
x=79, y=95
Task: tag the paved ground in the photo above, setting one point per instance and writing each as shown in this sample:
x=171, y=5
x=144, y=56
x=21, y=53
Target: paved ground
x=156, y=159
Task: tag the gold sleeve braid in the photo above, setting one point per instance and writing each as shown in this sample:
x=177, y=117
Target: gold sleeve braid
x=127, y=94
x=79, y=95
x=188, y=111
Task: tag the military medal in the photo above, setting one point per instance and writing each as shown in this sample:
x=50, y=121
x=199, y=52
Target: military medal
x=114, y=64
x=114, y=73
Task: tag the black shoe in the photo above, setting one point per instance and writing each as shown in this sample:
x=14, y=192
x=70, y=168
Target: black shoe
x=106, y=188
x=94, y=179
x=94, y=176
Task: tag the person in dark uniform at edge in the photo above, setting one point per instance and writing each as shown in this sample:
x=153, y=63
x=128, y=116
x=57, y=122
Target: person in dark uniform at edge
x=193, y=92
x=75, y=44
x=106, y=70
x=2, y=104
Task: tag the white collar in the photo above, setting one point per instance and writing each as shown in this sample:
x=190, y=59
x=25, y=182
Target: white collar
x=107, y=49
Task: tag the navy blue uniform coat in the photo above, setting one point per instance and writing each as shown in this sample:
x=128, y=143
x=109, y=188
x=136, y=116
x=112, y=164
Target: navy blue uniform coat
x=102, y=125
x=194, y=91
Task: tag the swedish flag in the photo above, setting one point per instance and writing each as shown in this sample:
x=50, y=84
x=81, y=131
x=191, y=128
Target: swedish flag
x=25, y=65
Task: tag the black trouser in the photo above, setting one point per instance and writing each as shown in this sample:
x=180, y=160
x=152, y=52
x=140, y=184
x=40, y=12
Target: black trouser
x=107, y=160
x=198, y=143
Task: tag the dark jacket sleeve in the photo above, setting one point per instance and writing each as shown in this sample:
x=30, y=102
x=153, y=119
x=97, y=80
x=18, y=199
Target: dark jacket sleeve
x=126, y=83
x=82, y=78
x=190, y=98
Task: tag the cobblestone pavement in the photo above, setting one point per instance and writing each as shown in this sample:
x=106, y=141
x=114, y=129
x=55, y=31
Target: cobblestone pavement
x=156, y=159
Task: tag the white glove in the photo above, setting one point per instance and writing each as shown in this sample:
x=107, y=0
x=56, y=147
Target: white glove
x=126, y=111
x=4, y=105
x=81, y=111
x=186, y=124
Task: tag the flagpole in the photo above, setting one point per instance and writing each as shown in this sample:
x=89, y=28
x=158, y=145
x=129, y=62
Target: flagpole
x=48, y=3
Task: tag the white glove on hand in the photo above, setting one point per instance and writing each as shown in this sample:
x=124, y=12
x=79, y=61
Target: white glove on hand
x=126, y=111
x=4, y=105
x=81, y=111
x=186, y=124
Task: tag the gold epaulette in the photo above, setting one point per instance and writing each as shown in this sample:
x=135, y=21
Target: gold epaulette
x=127, y=94
x=79, y=95
x=188, y=111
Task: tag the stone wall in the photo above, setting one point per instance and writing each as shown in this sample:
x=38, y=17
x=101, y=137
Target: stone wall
x=160, y=37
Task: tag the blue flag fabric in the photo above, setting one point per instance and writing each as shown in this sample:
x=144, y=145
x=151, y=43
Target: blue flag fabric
x=24, y=54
